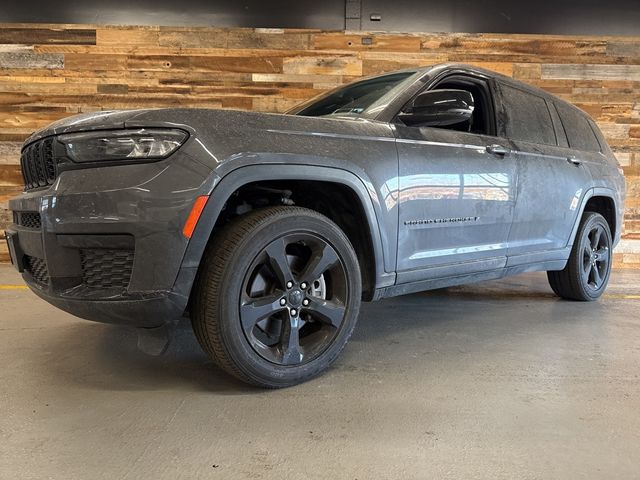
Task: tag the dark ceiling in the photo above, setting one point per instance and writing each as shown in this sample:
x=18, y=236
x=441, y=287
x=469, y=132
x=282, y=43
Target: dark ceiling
x=586, y=17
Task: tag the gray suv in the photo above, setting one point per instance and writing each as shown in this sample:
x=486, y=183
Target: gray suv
x=269, y=230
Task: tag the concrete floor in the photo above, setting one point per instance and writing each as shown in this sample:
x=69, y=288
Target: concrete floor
x=495, y=380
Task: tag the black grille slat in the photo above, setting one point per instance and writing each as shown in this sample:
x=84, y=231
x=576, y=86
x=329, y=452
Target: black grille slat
x=33, y=174
x=50, y=164
x=37, y=267
x=29, y=168
x=106, y=268
x=24, y=163
x=41, y=171
x=38, y=164
x=33, y=166
x=23, y=169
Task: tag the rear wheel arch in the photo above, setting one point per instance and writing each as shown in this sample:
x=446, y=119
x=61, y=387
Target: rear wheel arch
x=598, y=200
x=369, y=248
x=605, y=206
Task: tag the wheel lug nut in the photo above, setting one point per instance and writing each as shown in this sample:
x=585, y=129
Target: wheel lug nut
x=283, y=301
x=289, y=284
x=294, y=312
x=305, y=302
x=303, y=285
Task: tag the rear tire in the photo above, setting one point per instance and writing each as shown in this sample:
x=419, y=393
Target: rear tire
x=586, y=274
x=277, y=296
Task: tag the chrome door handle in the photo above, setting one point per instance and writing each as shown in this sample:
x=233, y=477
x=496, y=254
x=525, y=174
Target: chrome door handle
x=574, y=160
x=498, y=150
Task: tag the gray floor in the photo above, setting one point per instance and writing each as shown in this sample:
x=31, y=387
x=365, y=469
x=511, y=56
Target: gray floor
x=495, y=380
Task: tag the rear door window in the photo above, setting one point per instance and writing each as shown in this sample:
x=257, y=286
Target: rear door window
x=527, y=116
x=579, y=132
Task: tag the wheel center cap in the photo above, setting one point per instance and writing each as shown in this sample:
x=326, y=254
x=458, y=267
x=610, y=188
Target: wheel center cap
x=295, y=297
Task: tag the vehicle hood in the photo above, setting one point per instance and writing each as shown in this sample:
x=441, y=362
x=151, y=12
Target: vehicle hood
x=206, y=121
x=103, y=120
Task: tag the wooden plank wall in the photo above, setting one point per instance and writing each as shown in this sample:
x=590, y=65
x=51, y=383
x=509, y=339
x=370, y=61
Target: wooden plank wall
x=48, y=72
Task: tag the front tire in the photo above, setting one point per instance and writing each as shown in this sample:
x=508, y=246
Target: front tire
x=586, y=274
x=277, y=297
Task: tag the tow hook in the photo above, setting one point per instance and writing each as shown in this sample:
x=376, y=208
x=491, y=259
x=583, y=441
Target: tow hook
x=154, y=341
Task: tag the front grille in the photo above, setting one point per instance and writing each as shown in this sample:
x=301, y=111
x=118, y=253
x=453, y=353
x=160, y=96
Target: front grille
x=106, y=269
x=27, y=219
x=37, y=267
x=38, y=164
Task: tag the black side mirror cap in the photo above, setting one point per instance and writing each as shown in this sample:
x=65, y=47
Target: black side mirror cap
x=439, y=108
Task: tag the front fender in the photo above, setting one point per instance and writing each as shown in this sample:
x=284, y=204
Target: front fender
x=222, y=188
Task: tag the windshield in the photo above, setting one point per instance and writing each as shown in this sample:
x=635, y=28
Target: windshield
x=353, y=99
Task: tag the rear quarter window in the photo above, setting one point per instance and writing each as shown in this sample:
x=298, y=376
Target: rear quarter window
x=527, y=117
x=561, y=136
x=579, y=133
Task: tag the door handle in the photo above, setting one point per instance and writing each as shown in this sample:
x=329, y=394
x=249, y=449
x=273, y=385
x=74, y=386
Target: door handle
x=498, y=150
x=574, y=160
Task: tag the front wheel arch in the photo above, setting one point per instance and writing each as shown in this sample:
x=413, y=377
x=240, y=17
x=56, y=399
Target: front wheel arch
x=224, y=188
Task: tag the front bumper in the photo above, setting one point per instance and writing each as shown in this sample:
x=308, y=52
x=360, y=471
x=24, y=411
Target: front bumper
x=149, y=310
x=106, y=243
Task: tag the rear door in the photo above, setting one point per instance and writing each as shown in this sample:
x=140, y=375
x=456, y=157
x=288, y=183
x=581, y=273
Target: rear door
x=552, y=178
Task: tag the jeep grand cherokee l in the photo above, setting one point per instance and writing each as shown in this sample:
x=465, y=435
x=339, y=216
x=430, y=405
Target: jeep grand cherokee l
x=269, y=230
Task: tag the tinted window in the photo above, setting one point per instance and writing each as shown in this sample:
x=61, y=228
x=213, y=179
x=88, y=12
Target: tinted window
x=579, y=133
x=352, y=99
x=557, y=125
x=598, y=134
x=527, y=117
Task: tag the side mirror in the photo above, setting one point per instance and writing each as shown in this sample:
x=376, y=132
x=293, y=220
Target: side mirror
x=439, y=108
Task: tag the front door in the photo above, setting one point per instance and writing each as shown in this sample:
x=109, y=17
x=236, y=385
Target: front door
x=456, y=190
x=456, y=202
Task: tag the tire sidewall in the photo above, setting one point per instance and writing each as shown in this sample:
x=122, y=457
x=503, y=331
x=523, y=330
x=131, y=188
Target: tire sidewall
x=231, y=333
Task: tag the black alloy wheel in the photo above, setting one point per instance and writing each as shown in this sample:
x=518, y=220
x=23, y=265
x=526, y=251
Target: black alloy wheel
x=596, y=256
x=292, y=303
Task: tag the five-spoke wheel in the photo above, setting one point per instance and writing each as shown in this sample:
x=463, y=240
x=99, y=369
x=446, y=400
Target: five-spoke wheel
x=595, y=258
x=284, y=318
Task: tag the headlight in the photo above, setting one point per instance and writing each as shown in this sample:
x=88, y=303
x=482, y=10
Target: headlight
x=141, y=144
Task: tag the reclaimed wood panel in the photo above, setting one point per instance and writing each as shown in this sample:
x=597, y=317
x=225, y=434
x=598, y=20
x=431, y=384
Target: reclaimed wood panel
x=27, y=59
x=51, y=71
x=46, y=35
x=591, y=72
